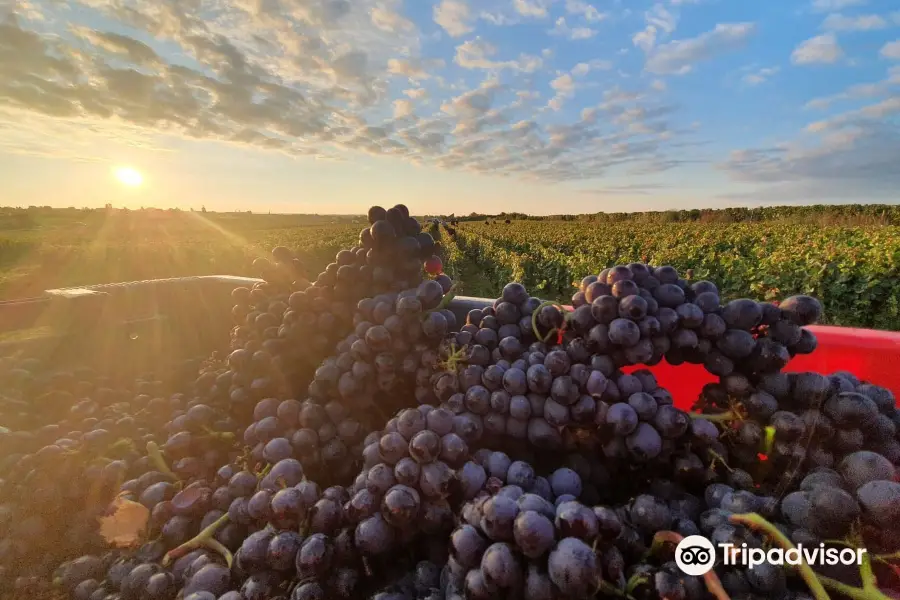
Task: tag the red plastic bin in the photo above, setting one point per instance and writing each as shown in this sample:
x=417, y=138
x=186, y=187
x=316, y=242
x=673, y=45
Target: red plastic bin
x=871, y=355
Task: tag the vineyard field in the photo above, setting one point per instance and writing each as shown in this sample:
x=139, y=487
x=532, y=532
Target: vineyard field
x=853, y=268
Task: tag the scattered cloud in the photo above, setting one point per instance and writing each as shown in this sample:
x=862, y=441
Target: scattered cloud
x=532, y=8
x=660, y=23
x=645, y=39
x=845, y=156
x=678, y=57
x=658, y=16
x=387, y=17
x=859, y=91
x=891, y=50
x=454, y=16
x=477, y=53
x=414, y=68
x=436, y=85
x=586, y=11
x=631, y=189
x=403, y=108
x=416, y=93
x=564, y=86
x=834, y=5
x=760, y=76
x=573, y=33
x=839, y=22
x=821, y=49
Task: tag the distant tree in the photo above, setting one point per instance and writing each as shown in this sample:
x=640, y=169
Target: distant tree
x=203, y=209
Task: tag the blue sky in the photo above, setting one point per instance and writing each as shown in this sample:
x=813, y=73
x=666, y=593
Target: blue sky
x=539, y=106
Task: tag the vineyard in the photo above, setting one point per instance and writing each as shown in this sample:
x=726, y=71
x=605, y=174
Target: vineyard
x=853, y=267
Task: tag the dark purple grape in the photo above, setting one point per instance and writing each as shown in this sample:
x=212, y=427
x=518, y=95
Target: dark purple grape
x=573, y=568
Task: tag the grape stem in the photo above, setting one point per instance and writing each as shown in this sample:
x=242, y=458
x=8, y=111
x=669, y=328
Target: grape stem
x=158, y=461
x=444, y=303
x=817, y=583
x=204, y=539
x=534, y=314
x=220, y=436
x=712, y=581
x=456, y=356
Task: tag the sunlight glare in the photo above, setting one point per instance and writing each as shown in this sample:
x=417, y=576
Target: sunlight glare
x=129, y=176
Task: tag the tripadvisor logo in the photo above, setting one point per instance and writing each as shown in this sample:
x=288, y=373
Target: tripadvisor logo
x=696, y=555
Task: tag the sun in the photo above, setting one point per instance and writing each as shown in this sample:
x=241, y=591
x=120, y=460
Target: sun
x=129, y=176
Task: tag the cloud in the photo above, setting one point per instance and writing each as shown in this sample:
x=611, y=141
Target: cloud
x=581, y=69
x=661, y=18
x=679, y=56
x=475, y=54
x=760, y=76
x=414, y=68
x=839, y=22
x=660, y=23
x=454, y=16
x=586, y=11
x=386, y=17
x=565, y=85
x=403, y=108
x=833, y=5
x=630, y=189
x=576, y=33
x=531, y=8
x=848, y=156
x=645, y=39
x=596, y=64
x=416, y=93
x=821, y=49
x=891, y=50
x=859, y=91
x=871, y=112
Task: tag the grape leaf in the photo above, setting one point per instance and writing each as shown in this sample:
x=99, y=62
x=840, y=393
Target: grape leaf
x=124, y=527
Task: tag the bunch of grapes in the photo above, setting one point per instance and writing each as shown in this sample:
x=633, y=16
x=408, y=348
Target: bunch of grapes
x=639, y=315
x=801, y=421
x=287, y=325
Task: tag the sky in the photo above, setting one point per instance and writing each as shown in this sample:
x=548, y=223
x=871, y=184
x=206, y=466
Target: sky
x=451, y=106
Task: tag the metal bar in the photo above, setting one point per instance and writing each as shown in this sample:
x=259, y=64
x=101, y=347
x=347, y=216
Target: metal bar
x=461, y=305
